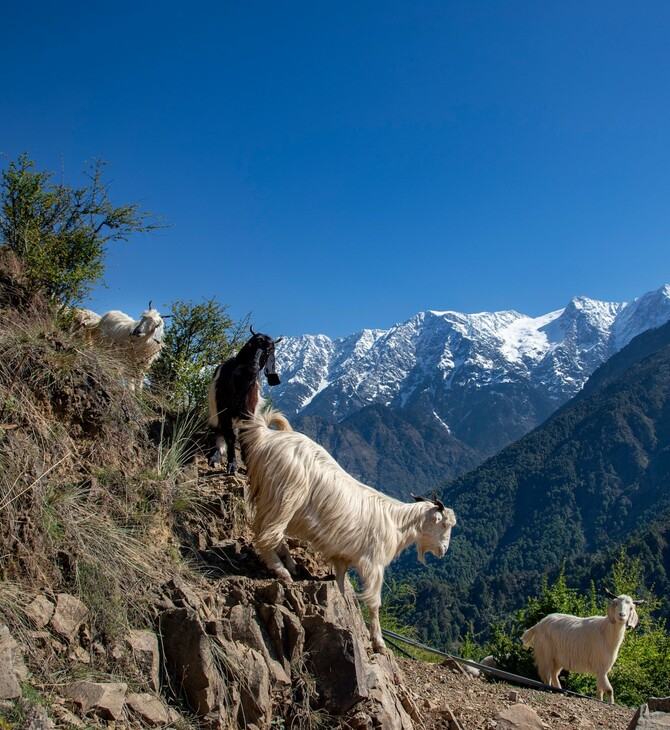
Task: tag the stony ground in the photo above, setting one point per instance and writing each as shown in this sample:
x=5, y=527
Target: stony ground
x=475, y=703
x=444, y=695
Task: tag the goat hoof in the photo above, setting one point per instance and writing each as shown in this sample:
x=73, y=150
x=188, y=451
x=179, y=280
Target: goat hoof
x=214, y=459
x=284, y=575
x=232, y=468
x=380, y=648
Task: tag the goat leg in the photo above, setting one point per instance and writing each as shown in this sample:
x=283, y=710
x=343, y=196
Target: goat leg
x=217, y=454
x=285, y=554
x=229, y=436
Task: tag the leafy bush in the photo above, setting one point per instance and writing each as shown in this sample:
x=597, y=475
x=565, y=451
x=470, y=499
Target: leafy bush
x=200, y=335
x=60, y=233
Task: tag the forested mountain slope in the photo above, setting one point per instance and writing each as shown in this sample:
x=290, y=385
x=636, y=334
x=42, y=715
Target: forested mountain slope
x=399, y=452
x=594, y=477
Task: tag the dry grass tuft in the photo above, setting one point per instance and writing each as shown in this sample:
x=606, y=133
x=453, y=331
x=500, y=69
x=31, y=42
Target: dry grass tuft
x=83, y=491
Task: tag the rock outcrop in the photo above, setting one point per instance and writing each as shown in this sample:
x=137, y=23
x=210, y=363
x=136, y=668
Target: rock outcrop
x=229, y=644
x=259, y=649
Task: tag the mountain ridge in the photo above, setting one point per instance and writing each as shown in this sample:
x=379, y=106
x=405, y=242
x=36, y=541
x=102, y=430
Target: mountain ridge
x=488, y=378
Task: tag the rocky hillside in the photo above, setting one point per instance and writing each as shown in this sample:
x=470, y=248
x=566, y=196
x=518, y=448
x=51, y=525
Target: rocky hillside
x=129, y=592
x=227, y=646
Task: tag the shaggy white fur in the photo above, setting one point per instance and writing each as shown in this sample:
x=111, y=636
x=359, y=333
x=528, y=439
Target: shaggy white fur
x=138, y=341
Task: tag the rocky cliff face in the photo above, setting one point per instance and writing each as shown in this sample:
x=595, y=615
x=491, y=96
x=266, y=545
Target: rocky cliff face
x=228, y=643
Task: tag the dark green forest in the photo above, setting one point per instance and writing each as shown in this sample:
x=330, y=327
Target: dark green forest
x=593, y=479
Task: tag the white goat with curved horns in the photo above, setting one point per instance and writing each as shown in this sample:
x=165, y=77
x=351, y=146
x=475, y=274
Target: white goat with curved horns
x=139, y=341
x=589, y=645
x=297, y=488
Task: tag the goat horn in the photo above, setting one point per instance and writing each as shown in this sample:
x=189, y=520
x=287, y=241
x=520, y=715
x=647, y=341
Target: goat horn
x=251, y=327
x=610, y=594
x=637, y=603
x=279, y=339
x=438, y=504
x=150, y=300
x=419, y=499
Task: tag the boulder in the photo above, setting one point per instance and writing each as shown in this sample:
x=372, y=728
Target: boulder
x=103, y=699
x=246, y=627
x=258, y=641
x=149, y=708
x=519, y=717
x=190, y=664
x=40, y=611
x=144, y=647
x=69, y=614
x=249, y=670
x=13, y=670
x=336, y=644
x=655, y=715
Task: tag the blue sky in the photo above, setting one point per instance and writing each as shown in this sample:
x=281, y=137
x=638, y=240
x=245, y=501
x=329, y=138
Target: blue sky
x=333, y=166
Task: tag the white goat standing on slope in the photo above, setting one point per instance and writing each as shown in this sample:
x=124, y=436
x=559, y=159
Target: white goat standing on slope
x=139, y=341
x=589, y=645
x=297, y=488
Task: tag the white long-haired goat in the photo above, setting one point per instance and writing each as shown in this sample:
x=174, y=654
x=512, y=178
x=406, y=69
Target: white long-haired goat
x=589, y=645
x=83, y=319
x=297, y=488
x=138, y=342
x=82, y=322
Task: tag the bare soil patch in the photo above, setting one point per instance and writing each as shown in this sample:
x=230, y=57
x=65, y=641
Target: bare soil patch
x=475, y=702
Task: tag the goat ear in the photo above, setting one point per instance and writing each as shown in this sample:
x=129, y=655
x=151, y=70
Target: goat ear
x=633, y=619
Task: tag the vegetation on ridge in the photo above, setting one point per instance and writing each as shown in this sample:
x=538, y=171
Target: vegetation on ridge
x=61, y=233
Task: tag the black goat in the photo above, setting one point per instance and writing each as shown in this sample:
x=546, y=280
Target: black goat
x=235, y=391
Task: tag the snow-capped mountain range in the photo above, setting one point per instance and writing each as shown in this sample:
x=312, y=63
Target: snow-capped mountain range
x=488, y=378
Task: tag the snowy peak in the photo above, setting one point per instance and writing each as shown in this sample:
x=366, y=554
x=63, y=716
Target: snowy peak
x=645, y=312
x=446, y=360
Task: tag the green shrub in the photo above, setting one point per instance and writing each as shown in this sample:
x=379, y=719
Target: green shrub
x=60, y=233
x=642, y=669
x=199, y=337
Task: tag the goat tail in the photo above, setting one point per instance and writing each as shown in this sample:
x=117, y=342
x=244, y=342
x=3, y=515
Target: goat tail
x=265, y=418
x=277, y=419
x=528, y=636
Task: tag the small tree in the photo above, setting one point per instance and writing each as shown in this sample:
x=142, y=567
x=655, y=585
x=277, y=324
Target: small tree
x=61, y=233
x=199, y=337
